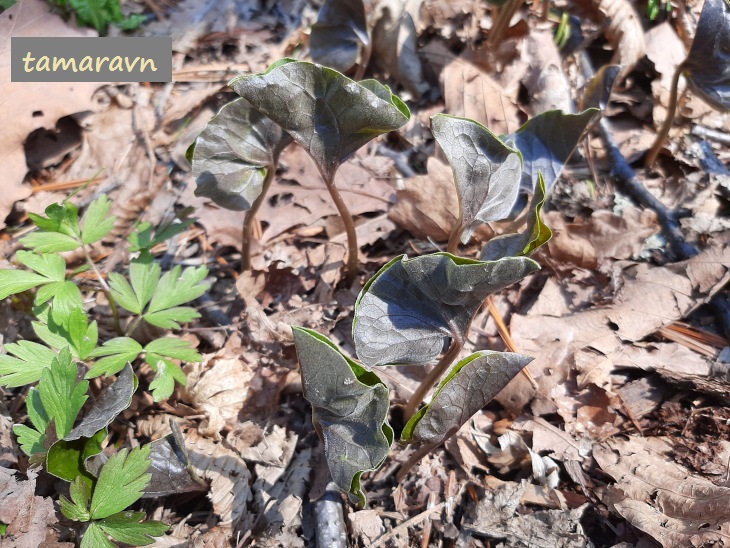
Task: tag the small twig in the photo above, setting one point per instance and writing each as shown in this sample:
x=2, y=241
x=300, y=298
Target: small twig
x=712, y=134
x=403, y=527
x=507, y=338
x=105, y=289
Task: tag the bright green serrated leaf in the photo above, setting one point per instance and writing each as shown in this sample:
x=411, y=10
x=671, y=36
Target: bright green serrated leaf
x=26, y=367
x=123, y=293
x=32, y=440
x=167, y=373
x=535, y=235
x=175, y=288
x=411, y=308
x=126, y=527
x=486, y=171
x=469, y=386
x=172, y=347
x=94, y=537
x=121, y=482
x=96, y=222
x=61, y=396
x=77, y=509
x=82, y=335
x=50, y=265
x=17, y=281
x=117, y=352
x=349, y=409
x=50, y=242
x=144, y=274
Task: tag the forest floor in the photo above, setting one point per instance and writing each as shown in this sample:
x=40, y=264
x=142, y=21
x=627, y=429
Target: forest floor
x=622, y=439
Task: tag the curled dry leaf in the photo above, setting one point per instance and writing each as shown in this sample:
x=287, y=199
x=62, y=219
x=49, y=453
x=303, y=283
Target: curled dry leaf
x=470, y=92
x=228, y=476
x=219, y=386
x=587, y=341
x=661, y=497
x=546, y=83
x=29, y=518
x=340, y=33
x=624, y=32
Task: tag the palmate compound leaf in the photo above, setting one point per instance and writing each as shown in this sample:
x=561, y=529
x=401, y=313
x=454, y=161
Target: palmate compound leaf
x=707, y=66
x=231, y=155
x=469, y=386
x=349, y=409
x=412, y=307
x=121, y=482
x=486, y=171
x=547, y=141
x=340, y=33
x=26, y=367
x=48, y=267
x=330, y=115
x=535, y=235
x=61, y=395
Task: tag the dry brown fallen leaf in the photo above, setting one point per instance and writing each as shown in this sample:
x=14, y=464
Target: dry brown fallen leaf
x=605, y=235
x=648, y=297
x=623, y=30
x=219, y=386
x=427, y=206
x=29, y=518
x=547, y=85
x=8, y=448
x=472, y=93
x=662, y=498
x=25, y=107
x=496, y=516
x=229, y=480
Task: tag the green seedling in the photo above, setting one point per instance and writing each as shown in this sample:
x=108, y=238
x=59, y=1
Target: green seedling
x=59, y=435
x=99, y=14
x=414, y=308
x=706, y=68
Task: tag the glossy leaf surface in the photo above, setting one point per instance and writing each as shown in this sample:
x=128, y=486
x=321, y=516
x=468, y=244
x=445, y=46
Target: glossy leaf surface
x=535, y=235
x=349, y=409
x=412, y=307
x=468, y=387
x=547, y=141
x=339, y=34
x=330, y=115
x=486, y=171
x=708, y=64
x=231, y=155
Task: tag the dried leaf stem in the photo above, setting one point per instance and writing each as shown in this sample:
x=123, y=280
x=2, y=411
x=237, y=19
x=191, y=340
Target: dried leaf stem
x=651, y=156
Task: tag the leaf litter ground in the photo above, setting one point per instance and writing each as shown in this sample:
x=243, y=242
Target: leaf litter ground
x=620, y=438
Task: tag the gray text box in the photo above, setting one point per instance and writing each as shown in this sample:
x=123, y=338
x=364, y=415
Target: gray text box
x=117, y=59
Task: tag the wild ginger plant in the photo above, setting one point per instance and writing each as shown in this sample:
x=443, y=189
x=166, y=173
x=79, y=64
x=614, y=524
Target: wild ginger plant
x=414, y=308
x=59, y=435
x=328, y=114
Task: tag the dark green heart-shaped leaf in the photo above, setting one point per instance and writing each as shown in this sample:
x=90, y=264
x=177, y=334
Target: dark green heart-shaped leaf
x=340, y=33
x=708, y=64
x=330, y=115
x=535, y=235
x=547, y=141
x=468, y=387
x=349, y=409
x=486, y=171
x=171, y=469
x=410, y=309
x=113, y=400
x=231, y=155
